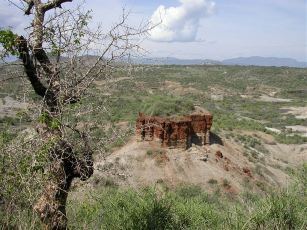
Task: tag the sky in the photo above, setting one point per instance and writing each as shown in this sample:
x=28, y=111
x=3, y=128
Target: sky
x=202, y=29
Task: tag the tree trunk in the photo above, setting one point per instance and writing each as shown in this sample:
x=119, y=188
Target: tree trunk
x=64, y=167
x=51, y=206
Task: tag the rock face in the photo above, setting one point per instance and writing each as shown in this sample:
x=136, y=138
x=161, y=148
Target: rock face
x=175, y=131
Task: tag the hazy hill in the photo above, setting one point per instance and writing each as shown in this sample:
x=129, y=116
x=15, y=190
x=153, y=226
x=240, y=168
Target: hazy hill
x=168, y=61
x=265, y=61
x=245, y=61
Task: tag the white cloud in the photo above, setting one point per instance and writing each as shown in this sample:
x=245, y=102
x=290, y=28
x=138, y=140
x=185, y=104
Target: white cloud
x=179, y=23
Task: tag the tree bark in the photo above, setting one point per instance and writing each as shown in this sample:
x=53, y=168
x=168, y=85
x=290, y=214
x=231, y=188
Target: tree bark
x=64, y=167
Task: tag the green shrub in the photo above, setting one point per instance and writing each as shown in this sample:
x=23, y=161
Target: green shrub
x=189, y=191
x=290, y=139
x=226, y=183
x=6, y=137
x=212, y=181
x=114, y=209
x=163, y=105
x=279, y=211
x=149, y=152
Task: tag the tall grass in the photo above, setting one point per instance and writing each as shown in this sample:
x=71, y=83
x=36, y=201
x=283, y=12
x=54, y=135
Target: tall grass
x=187, y=207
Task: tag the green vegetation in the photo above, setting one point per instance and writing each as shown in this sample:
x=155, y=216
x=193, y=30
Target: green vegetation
x=8, y=41
x=212, y=181
x=291, y=139
x=230, y=122
x=6, y=137
x=52, y=123
x=189, y=207
x=146, y=92
x=161, y=105
x=186, y=207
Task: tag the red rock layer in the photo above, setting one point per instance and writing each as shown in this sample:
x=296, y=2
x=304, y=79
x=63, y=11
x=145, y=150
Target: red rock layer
x=175, y=131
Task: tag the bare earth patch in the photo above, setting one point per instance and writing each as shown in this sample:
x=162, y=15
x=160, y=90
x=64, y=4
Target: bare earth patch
x=298, y=112
x=113, y=80
x=299, y=128
x=218, y=93
x=9, y=106
x=266, y=98
x=140, y=164
x=177, y=89
x=274, y=130
x=104, y=85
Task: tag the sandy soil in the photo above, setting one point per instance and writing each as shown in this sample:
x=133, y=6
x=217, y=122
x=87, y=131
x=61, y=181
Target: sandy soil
x=298, y=112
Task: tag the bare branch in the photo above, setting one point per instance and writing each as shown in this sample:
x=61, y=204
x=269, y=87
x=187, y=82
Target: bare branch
x=53, y=4
x=31, y=72
x=29, y=67
x=29, y=8
x=16, y=5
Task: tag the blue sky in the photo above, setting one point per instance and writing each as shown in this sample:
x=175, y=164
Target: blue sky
x=213, y=29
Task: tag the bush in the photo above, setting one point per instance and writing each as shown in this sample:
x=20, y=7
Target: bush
x=115, y=209
x=162, y=105
x=212, y=181
x=281, y=211
x=287, y=139
x=189, y=191
x=186, y=208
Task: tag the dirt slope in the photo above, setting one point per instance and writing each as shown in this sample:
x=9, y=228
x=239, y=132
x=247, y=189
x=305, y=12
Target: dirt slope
x=139, y=164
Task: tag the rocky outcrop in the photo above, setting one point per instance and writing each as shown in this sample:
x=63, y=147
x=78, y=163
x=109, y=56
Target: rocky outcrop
x=175, y=131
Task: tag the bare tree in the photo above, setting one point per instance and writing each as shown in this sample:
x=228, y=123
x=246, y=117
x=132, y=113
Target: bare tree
x=61, y=58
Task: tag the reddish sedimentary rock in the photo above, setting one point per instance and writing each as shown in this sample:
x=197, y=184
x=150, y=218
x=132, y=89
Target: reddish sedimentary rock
x=247, y=171
x=175, y=131
x=219, y=154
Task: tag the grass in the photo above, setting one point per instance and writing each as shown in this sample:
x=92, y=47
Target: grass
x=189, y=207
x=290, y=139
x=186, y=208
x=129, y=209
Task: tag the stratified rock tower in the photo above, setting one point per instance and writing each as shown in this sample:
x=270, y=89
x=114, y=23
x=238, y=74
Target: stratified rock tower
x=175, y=131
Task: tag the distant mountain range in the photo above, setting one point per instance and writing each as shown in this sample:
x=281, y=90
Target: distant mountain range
x=265, y=61
x=245, y=61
